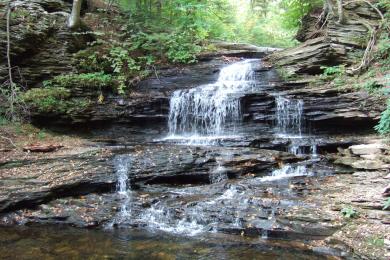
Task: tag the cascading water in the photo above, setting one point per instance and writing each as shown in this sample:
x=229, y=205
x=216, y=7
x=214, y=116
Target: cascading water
x=200, y=116
x=289, y=121
x=122, y=164
x=289, y=124
x=219, y=174
x=287, y=171
x=289, y=116
x=203, y=113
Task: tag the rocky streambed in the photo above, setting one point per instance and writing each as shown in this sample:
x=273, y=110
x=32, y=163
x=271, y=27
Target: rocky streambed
x=273, y=178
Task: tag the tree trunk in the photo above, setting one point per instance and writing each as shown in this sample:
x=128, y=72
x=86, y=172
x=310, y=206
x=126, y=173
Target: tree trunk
x=340, y=11
x=74, y=20
x=12, y=94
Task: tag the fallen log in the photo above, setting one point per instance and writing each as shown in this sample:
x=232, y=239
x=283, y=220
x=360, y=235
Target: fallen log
x=42, y=148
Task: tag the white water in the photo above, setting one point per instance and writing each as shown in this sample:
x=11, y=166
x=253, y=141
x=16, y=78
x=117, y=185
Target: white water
x=219, y=174
x=122, y=164
x=289, y=116
x=159, y=217
x=289, y=125
x=201, y=115
x=287, y=171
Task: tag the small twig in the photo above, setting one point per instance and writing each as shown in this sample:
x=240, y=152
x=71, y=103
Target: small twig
x=9, y=140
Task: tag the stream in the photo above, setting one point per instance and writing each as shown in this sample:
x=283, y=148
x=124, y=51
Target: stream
x=203, y=187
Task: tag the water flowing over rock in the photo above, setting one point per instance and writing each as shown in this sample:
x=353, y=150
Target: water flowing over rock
x=207, y=110
x=122, y=166
x=289, y=115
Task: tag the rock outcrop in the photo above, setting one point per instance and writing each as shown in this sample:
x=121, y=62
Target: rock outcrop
x=94, y=171
x=372, y=156
x=41, y=44
x=327, y=42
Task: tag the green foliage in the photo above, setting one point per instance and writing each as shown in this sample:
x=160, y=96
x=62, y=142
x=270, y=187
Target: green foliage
x=97, y=80
x=55, y=100
x=333, y=71
x=383, y=47
x=257, y=21
x=384, y=123
x=3, y=121
x=41, y=134
x=349, y=212
x=372, y=86
x=46, y=99
x=181, y=49
x=296, y=10
x=376, y=241
x=386, y=205
x=177, y=47
x=117, y=63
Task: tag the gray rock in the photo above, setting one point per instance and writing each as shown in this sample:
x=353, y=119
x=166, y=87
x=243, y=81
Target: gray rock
x=367, y=149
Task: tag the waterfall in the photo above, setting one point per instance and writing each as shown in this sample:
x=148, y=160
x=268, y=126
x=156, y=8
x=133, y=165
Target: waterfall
x=207, y=110
x=122, y=164
x=219, y=174
x=289, y=115
x=287, y=171
x=289, y=122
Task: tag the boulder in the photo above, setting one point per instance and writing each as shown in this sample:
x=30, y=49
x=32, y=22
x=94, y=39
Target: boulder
x=367, y=149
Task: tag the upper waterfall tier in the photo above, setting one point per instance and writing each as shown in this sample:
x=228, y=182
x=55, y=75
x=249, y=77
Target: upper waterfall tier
x=206, y=110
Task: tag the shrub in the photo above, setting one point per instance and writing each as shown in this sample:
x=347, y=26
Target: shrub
x=53, y=100
x=384, y=123
x=46, y=99
x=181, y=49
x=349, y=212
x=97, y=80
x=333, y=71
x=372, y=86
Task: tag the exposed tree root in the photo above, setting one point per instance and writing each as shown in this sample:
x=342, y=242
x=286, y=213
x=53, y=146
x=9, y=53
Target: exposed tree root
x=375, y=33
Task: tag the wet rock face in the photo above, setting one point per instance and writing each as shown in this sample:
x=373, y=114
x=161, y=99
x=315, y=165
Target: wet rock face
x=41, y=45
x=185, y=189
x=150, y=165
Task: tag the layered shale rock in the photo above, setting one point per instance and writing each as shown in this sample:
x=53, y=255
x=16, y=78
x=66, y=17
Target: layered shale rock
x=41, y=44
x=328, y=42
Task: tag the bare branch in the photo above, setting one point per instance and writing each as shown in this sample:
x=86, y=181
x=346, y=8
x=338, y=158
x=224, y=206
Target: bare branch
x=9, y=140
